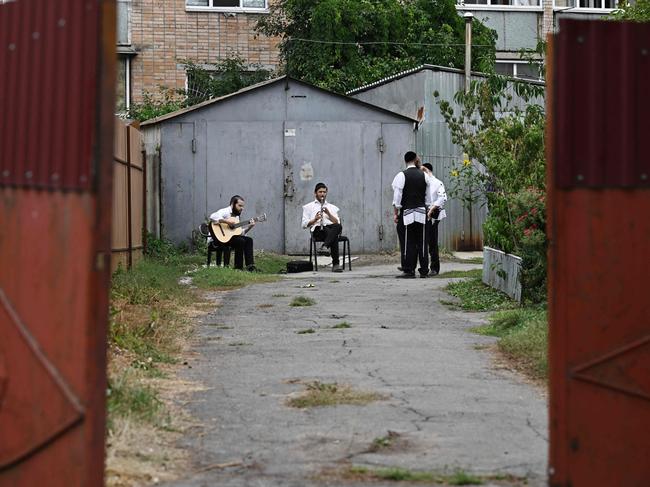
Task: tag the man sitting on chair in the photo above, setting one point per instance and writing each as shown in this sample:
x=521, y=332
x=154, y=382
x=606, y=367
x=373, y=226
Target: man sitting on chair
x=322, y=219
x=242, y=244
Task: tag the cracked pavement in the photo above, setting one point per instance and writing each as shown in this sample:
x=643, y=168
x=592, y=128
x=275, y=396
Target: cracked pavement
x=451, y=407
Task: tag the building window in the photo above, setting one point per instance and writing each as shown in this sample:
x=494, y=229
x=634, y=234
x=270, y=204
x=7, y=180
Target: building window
x=519, y=69
x=123, y=88
x=227, y=5
x=123, y=22
x=586, y=4
x=503, y=3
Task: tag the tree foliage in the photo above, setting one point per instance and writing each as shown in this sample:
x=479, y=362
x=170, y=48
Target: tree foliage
x=504, y=167
x=205, y=81
x=342, y=44
x=639, y=12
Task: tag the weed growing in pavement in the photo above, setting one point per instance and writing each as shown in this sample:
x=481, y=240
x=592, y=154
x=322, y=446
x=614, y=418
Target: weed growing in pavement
x=302, y=301
x=343, y=324
x=305, y=332
x=239, y=344
x=279, y=295
x=227, y=278
x=330, y=394
x=468, y=273
x=473, y=295
x=523, y=336
x=265, y=305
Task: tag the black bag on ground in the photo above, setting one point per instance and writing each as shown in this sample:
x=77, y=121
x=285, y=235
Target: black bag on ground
x=299, y=266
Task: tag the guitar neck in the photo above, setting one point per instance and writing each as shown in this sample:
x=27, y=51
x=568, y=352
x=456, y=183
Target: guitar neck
x=247, y=222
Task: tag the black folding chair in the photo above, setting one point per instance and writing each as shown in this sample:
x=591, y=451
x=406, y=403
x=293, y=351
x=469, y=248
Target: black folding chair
x=222, y=252
x=313, y=250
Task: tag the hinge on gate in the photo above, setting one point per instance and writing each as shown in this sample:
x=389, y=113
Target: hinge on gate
x=381, y=232
x=380, y=144
x=194, y=146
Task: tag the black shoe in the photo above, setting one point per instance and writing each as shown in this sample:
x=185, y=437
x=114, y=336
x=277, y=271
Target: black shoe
x=252, y=268
x=433, y=273
x=424, y=276
x=400, y=268
x=406, y=275
x=336, y=268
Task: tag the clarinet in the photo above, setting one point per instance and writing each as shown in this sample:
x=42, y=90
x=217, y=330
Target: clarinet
x=322, y=205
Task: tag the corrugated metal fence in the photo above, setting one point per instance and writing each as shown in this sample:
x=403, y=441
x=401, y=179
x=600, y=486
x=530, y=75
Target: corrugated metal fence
x=128, y=197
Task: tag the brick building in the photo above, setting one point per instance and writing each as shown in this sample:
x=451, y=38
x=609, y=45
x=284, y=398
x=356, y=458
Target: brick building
x=152, y=36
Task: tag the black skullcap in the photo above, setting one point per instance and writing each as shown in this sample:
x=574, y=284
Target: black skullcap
x=410, y=156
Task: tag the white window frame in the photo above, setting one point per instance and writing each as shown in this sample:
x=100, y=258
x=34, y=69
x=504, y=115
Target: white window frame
x=586, y=10
x=210, y=8
x=515, y=63
x=461, y=5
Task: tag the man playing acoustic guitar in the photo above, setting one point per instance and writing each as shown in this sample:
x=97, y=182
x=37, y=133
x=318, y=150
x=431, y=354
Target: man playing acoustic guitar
x=242, y=244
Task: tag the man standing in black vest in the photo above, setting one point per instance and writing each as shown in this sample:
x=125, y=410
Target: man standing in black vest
x=411, y=197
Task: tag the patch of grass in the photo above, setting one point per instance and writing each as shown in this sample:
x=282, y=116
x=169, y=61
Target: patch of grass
x=330, y=394
x=279, y=295
x=468, y=273
x=227, y=278
x=128, y=398
x=270, y=263
x=397, y=474
x=476, y=296
x=219, y=326
x=239, y=344
x=343, y=324
x=305, y=332
x=302, y=301
x=523, y=337
x=265, y=305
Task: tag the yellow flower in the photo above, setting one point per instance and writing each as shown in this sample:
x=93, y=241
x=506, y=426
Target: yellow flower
x=454, y=173
x=466, y=161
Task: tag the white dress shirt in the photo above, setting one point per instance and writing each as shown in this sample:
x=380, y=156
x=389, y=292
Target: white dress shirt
x=309, y=213
x=223, y=214
x=438, y=195
x=416, y=214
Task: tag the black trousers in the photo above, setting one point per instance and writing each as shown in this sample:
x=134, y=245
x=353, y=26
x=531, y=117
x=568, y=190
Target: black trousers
x=412, y=246
x=243, y=246
x=431, y=235
x=329, y=235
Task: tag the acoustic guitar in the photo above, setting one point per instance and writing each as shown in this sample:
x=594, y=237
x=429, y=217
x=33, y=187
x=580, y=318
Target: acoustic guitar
x=224, y=232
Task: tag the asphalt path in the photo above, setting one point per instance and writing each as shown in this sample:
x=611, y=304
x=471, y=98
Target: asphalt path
x=447, y=403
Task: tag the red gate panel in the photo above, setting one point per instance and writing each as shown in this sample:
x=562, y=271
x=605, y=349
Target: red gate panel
x=599, y=257
x=56, y=128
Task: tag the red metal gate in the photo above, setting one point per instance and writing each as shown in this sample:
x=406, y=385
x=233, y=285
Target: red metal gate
x=56, y=129
x=599, y=260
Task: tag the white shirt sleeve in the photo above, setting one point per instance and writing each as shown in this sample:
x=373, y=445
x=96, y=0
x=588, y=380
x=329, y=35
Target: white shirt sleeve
x=428, y=195
x=221, y=214
x=306, y=215
x=441, y=195
x=398, y=188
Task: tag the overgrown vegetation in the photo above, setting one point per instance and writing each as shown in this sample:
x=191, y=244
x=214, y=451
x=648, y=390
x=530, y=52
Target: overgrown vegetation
x=343, y=44
x=330, y=394
x=205, y=81
x=504, y=167
x=398, y=474
x=342, y=325
x=459, y=273
x=524, y=338
x=473, y=295
x=637, y=11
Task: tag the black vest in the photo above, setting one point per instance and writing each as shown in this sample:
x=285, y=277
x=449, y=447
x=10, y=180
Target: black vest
x=415, y=188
